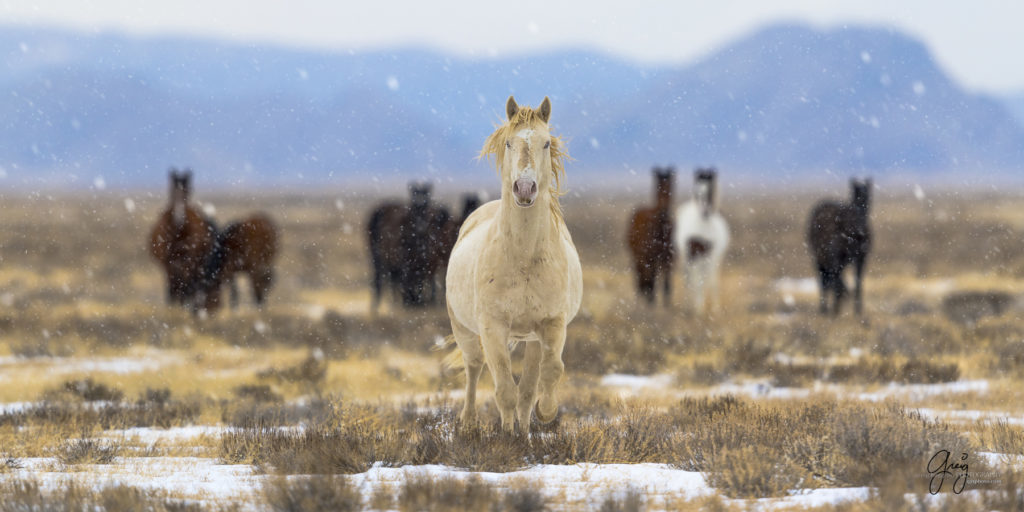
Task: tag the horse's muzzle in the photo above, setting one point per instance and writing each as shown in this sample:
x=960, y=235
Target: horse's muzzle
x=525, y=191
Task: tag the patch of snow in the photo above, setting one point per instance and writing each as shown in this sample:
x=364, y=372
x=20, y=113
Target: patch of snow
x=185, y=477
x=918, y=391
x=12, y=407
x=175, y=434
x=813, y=498
x=637, y=382
x=796, y=286
x=970, y=415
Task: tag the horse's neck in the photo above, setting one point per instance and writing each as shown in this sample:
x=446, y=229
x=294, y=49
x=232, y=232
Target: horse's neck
x=523, y=231
x=663, y=201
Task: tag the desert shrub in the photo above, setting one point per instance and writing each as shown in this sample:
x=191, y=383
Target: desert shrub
x=754, y=472
x=523, y=496
x=629, y=500
x=87, y=451
x=84, y=389
x=422, y=491
x=312, y=493
x=153, y=408
x=257, y=393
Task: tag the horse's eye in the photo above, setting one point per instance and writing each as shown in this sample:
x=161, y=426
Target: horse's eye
x=508, y=144
x=547, y=144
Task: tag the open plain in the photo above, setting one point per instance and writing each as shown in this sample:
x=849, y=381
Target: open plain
x=110, y=398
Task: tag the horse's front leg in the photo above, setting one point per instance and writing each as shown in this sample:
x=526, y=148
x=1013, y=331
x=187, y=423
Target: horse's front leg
x=494, y=335
x=552, y=341
x=528, y=384
x=858, y=299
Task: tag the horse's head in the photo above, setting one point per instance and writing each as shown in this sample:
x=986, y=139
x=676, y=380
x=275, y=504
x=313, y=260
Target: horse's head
x=419, y=194
x=470, y=202
x=525, y=156
x=181, y=191
x=663, y=181
x=704, y=189
x=860, y=193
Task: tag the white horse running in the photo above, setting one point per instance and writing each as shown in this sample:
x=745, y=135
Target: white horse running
x=702, y=237
x=514, y=274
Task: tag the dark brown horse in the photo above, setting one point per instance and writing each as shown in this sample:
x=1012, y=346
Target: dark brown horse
x=181, y=239
x=449, y=235
x=248, y=246
x=838, y=234
x=650, y=238
x=404, y=240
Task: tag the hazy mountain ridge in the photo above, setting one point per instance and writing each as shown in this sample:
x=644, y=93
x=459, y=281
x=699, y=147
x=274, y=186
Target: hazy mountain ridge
x=786, y=100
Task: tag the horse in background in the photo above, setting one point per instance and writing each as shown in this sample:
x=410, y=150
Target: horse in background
x=421, y=238
x=514, y=274
x=402, y=239
x=450, y=234
x=650, y=238
x=247, y=246
x=702, y=236
x=839, y=234
x=181, y=239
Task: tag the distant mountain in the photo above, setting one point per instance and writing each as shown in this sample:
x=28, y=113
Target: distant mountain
x=1015, y=104
x=786, y=101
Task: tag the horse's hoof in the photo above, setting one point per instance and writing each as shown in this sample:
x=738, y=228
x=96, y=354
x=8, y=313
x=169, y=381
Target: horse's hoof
x=546, y=418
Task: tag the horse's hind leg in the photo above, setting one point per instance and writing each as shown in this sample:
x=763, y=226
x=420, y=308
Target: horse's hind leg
x=375, y=285
x=840, y=291
x=645, y=282
x=713, y=293
x=233, y=291
x=552, y=341
x=859, y=273
x=667, y=286
x=825, y=285
x=695, y=285
x=262, y=280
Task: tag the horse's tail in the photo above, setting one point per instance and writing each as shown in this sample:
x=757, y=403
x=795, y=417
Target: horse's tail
x=452, y=361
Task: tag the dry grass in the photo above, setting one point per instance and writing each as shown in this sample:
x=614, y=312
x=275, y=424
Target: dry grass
x=23, y=495
x=317, y=492
x=941, y=306
x=747, y=449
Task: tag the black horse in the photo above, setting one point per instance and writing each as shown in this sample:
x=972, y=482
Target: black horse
x=403, y=240
x=838, y=234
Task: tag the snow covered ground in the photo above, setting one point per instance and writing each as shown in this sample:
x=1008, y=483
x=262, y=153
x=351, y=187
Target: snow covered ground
x=634, y=384
x=572, y=487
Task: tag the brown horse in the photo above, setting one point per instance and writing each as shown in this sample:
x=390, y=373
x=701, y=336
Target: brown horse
x=181, y=239
x=650, y=238
x=248, y=246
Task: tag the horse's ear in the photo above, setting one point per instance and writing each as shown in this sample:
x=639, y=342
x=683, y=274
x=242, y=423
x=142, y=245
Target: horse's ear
x=511, y=108
x=545, y=109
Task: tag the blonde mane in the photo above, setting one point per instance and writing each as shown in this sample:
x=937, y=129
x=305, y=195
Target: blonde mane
x=527, y=117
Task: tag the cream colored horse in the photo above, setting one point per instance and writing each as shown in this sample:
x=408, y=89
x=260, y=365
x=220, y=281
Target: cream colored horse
x=514, y=274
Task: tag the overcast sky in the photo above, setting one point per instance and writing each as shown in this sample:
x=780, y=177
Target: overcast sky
x=978, y=42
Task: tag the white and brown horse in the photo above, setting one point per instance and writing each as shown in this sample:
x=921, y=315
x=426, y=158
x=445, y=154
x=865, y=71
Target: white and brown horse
x=702, y=237
x=514, y=274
